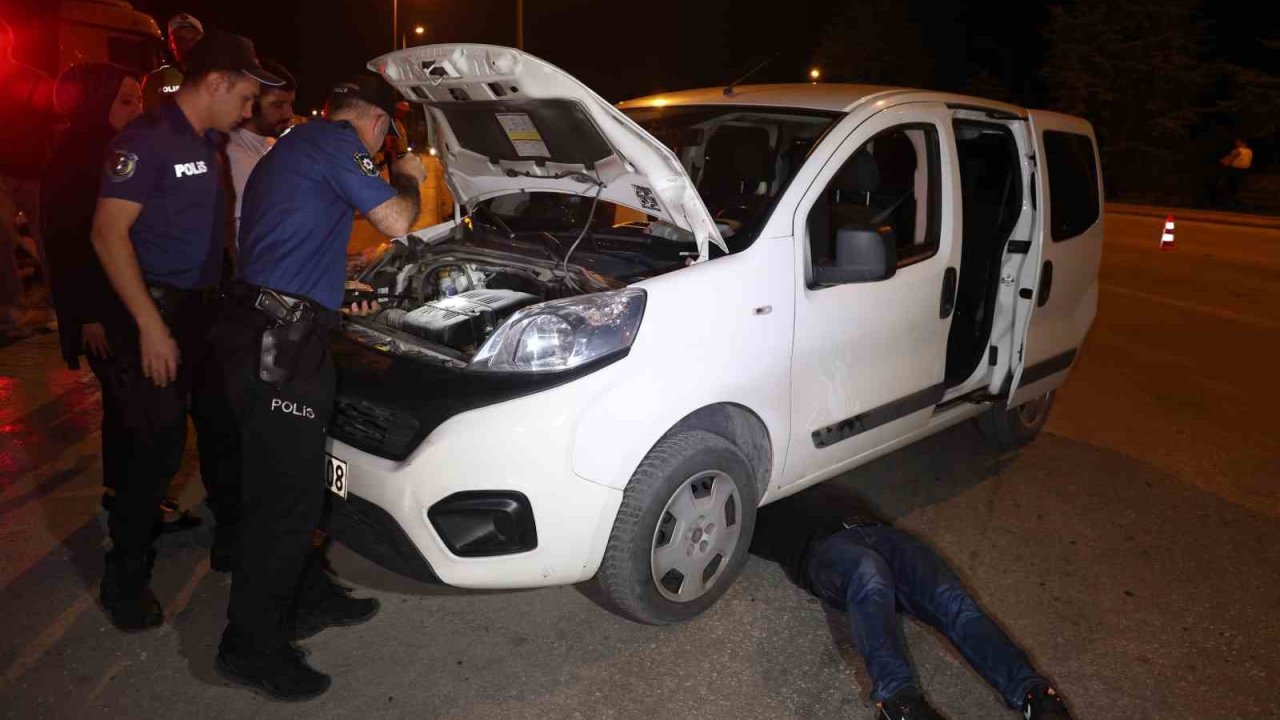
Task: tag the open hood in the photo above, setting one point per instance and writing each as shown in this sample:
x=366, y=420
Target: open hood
x=504, y=121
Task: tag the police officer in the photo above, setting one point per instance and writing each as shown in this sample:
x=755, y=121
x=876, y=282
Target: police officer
x=160, y=84
x=295, y=223
x=159, y=228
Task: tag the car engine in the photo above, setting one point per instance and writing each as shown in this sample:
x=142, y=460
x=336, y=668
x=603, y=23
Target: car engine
x=462, y=321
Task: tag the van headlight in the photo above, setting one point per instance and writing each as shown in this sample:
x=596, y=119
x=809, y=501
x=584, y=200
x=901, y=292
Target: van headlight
x=563, y=334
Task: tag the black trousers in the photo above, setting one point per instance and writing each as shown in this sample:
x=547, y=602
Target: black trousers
x=144, y=427
x=282, y=440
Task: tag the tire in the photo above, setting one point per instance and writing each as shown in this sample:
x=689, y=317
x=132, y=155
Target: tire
x=695, y=492
x=1013, y=428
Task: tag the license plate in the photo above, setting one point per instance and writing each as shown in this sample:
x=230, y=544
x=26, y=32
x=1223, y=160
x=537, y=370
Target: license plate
x=335, y=476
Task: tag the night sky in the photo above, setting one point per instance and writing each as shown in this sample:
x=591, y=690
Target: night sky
x=625, y=49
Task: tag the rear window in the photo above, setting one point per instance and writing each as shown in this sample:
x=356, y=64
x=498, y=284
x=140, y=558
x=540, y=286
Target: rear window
x=1073, y=184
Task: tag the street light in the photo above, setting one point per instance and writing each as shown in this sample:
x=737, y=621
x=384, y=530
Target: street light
x=814, y=74
x=419, y=30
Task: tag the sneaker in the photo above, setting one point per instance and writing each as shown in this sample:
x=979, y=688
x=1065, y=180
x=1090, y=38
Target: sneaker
x=1044, y=703
x=907, y=704
x=280, y=674
x=327, y=604
x=126, y=594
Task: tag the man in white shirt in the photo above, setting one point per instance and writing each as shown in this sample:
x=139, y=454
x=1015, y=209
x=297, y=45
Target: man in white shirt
x=272, y=113
x=1236, y=165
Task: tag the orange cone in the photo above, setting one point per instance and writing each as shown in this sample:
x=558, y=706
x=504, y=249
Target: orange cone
x=1166, y=238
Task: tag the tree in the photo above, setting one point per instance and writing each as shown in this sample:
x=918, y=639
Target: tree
x=1133, y=68
x=874, y=42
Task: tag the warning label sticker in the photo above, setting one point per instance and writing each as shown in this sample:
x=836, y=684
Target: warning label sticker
x=523, y=135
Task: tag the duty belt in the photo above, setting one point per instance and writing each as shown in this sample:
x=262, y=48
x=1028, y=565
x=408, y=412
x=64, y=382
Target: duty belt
x=295, y=324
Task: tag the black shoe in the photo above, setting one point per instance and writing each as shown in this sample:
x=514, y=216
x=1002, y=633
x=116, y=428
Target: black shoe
x=325, y=604
x=1044, y=703
x=280, y=674
x=907, y=704
x=125, y=591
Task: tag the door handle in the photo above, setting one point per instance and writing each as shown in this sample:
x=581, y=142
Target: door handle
x=948, y=293
x=1046, y=283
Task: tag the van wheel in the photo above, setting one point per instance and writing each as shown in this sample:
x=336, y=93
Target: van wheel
x=1012, y=428
x=682, y=531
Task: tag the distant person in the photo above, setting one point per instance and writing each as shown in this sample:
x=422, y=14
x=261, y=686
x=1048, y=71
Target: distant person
x=1236, y=165
x=27, y=118
x=831, y=544
x=160, y=84
x=272, y=115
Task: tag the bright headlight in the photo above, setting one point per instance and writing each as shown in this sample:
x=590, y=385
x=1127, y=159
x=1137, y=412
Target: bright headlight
x=563, y=334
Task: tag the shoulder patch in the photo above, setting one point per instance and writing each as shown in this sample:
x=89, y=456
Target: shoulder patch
x=121, y=164
x=365, y=163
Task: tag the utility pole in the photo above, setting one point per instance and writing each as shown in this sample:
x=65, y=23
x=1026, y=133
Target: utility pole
x=519, y=24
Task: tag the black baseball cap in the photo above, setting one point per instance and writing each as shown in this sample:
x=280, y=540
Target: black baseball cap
x=371, y=89
x=219, y=50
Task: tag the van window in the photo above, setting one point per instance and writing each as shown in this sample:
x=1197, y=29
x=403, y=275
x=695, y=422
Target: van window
x=741, y=158
x=892, y=180
x=1073, y=184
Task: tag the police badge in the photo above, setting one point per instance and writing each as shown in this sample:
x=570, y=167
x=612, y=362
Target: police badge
x=121, y=164
x=365, y=163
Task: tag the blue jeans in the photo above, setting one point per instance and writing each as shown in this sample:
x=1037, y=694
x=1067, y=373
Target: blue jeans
x=871, y=570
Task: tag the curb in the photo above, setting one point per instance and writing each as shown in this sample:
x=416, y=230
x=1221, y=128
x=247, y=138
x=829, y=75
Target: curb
x=1269, y=222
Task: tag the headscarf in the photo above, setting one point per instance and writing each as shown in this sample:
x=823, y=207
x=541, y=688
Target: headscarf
x=85, y=93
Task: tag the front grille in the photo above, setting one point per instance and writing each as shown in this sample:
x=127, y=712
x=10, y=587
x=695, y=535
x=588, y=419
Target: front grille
x=384, y=431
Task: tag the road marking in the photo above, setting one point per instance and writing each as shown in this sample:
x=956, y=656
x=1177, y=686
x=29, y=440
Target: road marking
x=45, y=641
x=183, y=598
x=116, y=668
x=1196, y=307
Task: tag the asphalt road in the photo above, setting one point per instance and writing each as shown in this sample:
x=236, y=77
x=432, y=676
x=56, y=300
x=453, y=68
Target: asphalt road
x=1132, y=549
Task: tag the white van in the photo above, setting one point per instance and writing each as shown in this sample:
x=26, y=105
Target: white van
x=648, y=320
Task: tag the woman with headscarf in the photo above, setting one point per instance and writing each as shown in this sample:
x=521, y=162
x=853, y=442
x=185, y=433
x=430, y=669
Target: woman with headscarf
x=97, y=100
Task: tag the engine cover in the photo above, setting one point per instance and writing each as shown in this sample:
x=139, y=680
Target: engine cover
x=462, y=321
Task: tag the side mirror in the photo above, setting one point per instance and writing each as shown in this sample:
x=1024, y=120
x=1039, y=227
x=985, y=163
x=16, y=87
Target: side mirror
x=863, y=254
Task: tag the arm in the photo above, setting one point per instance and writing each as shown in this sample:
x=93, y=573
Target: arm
x=396, y=216
x=111, y=223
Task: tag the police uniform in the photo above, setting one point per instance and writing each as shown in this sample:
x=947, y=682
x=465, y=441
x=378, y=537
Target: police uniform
x=160, y=162
x=295, y=224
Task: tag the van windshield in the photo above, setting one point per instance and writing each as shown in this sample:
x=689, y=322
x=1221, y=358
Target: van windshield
x=740, y=158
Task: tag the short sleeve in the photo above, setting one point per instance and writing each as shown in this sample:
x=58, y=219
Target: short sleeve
x=132, y=167
x=353, y=174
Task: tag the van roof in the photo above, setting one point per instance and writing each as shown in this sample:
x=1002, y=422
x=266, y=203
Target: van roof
x=831, y=97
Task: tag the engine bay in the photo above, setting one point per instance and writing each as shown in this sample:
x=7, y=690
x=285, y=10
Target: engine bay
x=443, y=300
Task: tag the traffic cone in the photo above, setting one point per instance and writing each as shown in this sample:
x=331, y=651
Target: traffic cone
x=1166, y=238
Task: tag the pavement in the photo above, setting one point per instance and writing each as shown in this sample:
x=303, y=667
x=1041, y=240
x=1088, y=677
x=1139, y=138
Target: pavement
x=1131, y=550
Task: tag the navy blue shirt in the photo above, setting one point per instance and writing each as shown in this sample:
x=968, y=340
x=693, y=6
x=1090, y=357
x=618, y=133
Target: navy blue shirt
x=160, y=162
x=296, y=216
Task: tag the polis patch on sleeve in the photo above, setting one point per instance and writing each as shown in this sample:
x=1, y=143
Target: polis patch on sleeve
x=121, y=164
x=365, y=163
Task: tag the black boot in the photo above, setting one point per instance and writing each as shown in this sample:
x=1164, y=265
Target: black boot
x=280, y=673
x=907, y=704
x=126, y=593
x=323, y=603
